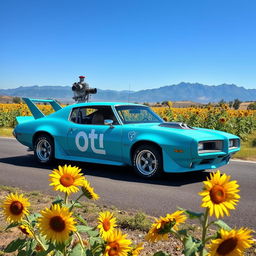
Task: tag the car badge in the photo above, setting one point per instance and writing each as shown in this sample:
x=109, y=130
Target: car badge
x=131, y=135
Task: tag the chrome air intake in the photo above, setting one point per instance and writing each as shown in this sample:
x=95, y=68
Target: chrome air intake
x=176, y=125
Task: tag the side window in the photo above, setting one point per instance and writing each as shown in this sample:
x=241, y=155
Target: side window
x=74, y=114
x=92, y=115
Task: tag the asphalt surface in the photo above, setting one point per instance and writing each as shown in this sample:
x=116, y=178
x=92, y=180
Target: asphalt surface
x=120, y=187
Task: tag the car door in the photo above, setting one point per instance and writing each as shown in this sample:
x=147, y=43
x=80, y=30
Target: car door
x=88, y=136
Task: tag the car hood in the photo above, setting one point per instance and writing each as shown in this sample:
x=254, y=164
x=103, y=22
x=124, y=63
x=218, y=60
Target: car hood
x=182, y=129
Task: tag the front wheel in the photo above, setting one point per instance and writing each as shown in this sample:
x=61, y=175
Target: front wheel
x=44, y=149
x=147, y=161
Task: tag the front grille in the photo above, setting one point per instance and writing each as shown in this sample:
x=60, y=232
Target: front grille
x=206, y=161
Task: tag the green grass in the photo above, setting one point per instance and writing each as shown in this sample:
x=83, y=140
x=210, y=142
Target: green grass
x=248, y=148
x=6, y=132
x=137, y=221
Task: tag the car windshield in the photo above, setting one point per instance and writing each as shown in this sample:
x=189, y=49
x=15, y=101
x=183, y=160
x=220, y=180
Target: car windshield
x=137, y=114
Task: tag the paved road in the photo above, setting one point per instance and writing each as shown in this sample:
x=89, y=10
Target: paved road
x=120, y=187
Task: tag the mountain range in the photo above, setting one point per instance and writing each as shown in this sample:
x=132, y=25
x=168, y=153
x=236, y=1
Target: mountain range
x=180, y=92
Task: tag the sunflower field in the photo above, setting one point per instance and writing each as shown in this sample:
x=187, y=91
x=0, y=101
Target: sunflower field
x=239, y=122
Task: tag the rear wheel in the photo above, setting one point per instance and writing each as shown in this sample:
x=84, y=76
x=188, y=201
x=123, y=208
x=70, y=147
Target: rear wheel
x=147, y=161
x=44, y=149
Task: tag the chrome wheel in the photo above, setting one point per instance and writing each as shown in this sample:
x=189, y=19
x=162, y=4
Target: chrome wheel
x=146, y=162
x=43, y=150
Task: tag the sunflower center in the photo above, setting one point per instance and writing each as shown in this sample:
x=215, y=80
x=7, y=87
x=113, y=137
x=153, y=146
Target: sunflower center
x=227, y=246
x=166, y=227
x=218, y=194
x=16, y=208
x=87, y=192
x=114, y=247
x=57, y=224
x=24, y=230
x=66, y=180
x=106, y=225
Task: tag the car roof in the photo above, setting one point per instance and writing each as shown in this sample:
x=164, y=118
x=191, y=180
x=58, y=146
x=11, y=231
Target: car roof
x=86, y=104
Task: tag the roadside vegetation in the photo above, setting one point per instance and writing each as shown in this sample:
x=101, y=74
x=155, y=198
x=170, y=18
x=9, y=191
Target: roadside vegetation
x=36, y=224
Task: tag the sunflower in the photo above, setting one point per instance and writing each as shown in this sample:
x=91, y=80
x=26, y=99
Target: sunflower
x=25, y=230
x=66, y=179
x=117, y=244
x=56, y=223
x=136, y=251
x=162, y=226
x=107, y=223
x=219, y=194
x=15, y=207
x=231, y=243
x=89, y=191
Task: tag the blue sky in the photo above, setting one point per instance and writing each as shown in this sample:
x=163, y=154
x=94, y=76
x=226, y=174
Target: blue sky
x=120, y=44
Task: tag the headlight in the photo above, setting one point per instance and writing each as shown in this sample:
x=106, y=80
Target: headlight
x=210, y=146
x=233, y=143
x=200, y=146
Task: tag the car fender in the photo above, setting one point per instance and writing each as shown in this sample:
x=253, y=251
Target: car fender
x=174, y=148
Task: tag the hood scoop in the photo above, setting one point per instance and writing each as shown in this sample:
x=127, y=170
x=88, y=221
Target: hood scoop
x=176, y=125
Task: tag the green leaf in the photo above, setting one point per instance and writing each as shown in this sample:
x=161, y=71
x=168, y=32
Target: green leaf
x=44, y=253
x=222, y=224
x=15, y=245
x=89, y=230
x=94, y=241
x=32, y=218
x=58, y=253
x=31, y=245
x=183, y=232
x=88, y=252
x=58, y=200
x=160, y=253
x=12, y=225
x=205, y=252
x=81, y=219
x=192, y=215
x=22, y=253
x=93, y=233
x=77, y=251
x=77, y=204
x=59, y=246
x=191, y=246
x=83, y=229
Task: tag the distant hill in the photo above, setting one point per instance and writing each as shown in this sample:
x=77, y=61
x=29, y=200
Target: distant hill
x=181, y=92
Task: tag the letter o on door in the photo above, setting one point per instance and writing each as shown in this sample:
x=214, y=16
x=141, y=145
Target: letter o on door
x=85, y=138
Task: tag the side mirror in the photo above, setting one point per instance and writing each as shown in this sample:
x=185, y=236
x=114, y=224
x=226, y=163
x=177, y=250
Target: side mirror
x=109, y=122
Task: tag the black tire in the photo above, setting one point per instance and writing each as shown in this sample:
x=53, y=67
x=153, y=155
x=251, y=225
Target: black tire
x=147, y=161
x=44, y=149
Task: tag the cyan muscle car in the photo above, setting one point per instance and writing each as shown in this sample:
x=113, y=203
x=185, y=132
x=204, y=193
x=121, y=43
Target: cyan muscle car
x=122, y=134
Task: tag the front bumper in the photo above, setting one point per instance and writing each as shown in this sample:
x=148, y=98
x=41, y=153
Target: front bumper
x=201, y=162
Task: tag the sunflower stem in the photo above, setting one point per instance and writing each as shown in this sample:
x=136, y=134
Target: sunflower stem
x=94, y=250
x=80, y=239
x=65, y=251
x=210, y=224
x=34, y=235
x=72, y=206
x=205, y=225
x=66, y=198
